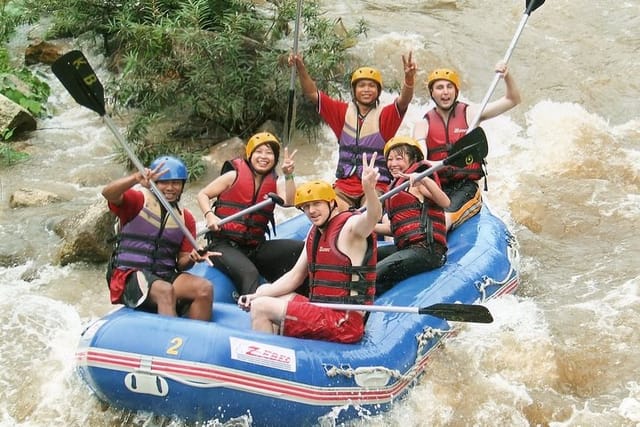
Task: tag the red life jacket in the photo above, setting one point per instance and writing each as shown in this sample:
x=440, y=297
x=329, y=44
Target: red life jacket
x=331, y=271
x=250, y=229
x=413, y=221
x=441, y=139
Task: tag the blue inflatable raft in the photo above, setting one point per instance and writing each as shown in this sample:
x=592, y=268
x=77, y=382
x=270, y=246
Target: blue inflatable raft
x=223, y=370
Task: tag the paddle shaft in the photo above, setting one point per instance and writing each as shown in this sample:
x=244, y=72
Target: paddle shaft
x=240, y=214
x=290, y=119
x=433, y=169
x=454, y=312
x=136, y=162
x=77, y=76
x=496, y=78
x=371, y=308
x=476, y=146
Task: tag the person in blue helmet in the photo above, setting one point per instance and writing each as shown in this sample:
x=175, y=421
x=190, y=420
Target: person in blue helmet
x=151, y=254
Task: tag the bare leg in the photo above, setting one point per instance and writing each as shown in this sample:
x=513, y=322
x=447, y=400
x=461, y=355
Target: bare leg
x=267, y=314
x=161, y=293
x=199, y=291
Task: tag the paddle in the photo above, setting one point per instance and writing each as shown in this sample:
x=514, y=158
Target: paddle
x=77, y=76
x=269, y=199
x=289, y=123
x=454, y=312
x=470, y=148
x=531, y=5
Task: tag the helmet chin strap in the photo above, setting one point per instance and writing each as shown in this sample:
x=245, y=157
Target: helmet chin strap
x=370, y=105
x=331, y=209
x=453, y=104
x=174, y=204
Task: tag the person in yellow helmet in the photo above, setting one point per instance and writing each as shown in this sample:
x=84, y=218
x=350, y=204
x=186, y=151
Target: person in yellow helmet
x=362, y=125
x=446, y=123
x=338, y=261
x=247, y=256
x=414, y=217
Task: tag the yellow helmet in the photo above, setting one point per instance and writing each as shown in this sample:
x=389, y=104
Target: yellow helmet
x=263, y=138
x=366, y=73
x=313, y=191
x=444, y=74
x=403, y=140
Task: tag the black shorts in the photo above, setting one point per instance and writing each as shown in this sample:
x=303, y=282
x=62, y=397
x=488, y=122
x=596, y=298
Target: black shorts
x=137, y=288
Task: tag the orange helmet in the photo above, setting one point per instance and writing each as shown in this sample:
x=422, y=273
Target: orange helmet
x=444, y=74
x=366, y=73
x=403, y=140
x=313, y=191
x=263, y=138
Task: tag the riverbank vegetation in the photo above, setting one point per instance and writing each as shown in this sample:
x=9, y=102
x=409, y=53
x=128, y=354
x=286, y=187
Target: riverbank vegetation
x=212, y=68
x=17, y=83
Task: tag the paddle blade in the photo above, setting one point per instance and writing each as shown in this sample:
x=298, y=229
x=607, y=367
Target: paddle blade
x=459, y=312
x=469, y=149
x=77, y=76
x=533, y=5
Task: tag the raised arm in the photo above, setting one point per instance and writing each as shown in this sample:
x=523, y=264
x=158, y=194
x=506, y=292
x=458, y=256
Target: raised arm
x=383, y=227
x=507, y=102
x=363, y=225
x=114, y=191
x=309, y=88
x=288, y=168
x=406, y=93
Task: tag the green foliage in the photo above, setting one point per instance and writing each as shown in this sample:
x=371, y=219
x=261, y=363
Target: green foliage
x=32, y=93
x=9, y=156
x=221, y=62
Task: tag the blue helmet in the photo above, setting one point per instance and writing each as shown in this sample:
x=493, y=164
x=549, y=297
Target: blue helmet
x=177, y=169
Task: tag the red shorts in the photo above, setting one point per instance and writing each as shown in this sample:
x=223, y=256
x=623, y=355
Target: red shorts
x=305, y=320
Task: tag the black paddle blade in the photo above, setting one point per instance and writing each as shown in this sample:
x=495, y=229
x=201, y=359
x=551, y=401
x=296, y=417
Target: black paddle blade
x=469, y=149
x=459, y=312
x=533, y=5
x=77, y=76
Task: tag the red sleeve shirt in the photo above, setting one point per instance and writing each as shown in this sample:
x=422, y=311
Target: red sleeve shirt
x=333, y=112
x=132, y=203
x=190, y=222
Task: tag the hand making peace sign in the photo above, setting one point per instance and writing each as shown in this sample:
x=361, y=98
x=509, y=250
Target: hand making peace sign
x=288, y=165
x=370, y=173
x=410, y=69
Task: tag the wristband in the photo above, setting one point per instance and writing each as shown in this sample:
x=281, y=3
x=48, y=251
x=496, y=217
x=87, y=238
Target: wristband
x=208, y=212
x=289, y=177
x=408, y=85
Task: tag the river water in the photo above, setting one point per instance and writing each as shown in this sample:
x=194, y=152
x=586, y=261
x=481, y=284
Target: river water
x=563, y=171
